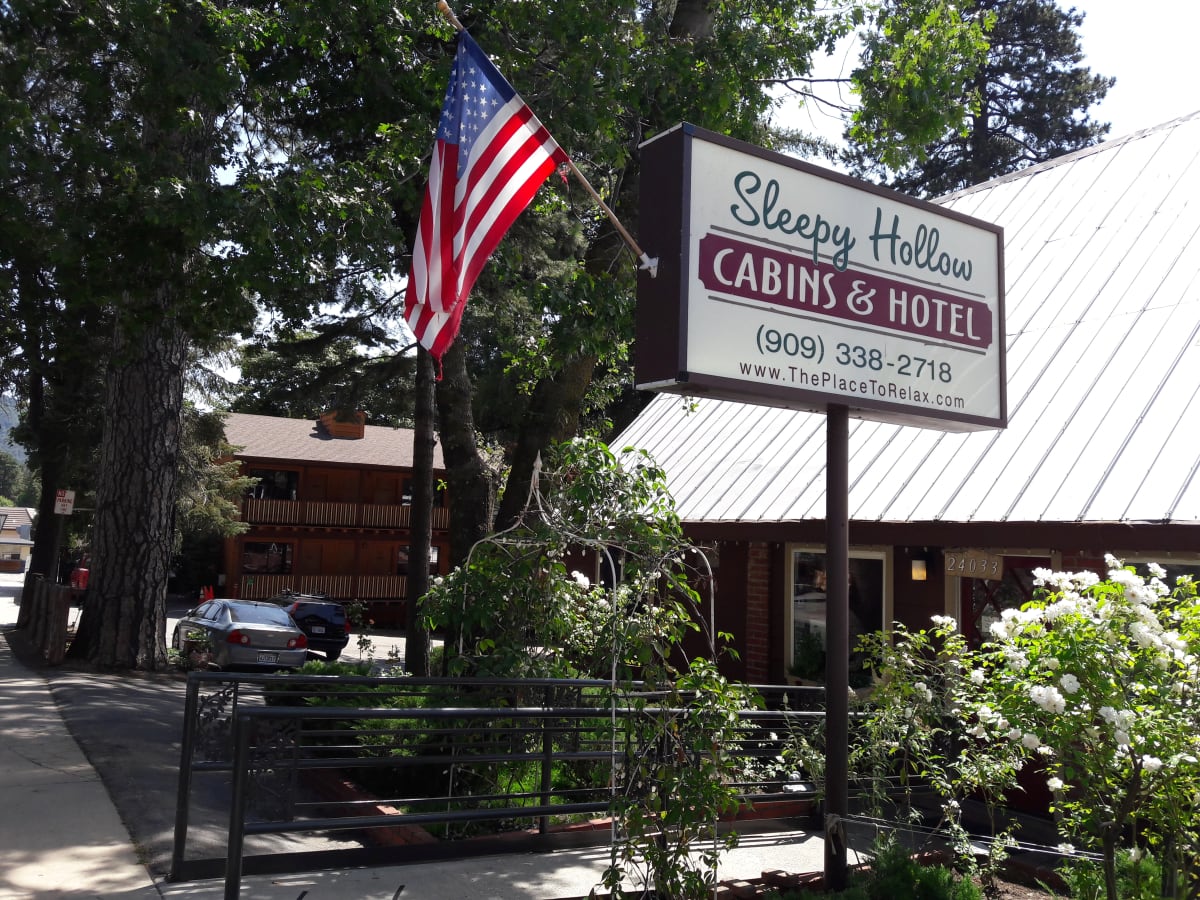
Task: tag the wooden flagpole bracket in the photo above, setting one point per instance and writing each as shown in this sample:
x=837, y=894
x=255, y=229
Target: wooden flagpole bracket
x=445, y=10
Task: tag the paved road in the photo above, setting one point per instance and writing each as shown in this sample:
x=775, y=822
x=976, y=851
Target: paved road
x=130, y=727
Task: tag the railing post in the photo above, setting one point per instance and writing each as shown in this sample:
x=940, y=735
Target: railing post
x=183, y=791
x=237, y=808
x=547, y=773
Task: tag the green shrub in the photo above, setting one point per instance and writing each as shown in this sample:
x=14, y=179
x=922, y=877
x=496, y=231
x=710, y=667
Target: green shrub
x=895, y=874
x=1139, y=877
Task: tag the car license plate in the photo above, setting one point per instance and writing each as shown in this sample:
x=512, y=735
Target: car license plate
x=318, y=629
x=268, y=657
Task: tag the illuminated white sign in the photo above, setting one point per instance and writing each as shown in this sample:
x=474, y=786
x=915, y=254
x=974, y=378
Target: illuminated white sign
x=800, y=288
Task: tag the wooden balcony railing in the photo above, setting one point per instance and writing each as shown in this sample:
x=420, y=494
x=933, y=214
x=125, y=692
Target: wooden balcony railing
x=339, y=587
x=345, y=515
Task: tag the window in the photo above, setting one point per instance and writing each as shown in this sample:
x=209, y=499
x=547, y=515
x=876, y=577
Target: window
x=261, y=558
x=806, y=611
x=402, y=560
x=274, y=484
x=984, y=600
x=260, y=615
x=439, y=493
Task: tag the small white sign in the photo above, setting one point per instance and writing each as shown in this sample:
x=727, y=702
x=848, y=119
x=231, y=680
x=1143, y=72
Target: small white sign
x=64, y=503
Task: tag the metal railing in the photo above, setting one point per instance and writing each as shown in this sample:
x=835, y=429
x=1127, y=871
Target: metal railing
x=515, y=754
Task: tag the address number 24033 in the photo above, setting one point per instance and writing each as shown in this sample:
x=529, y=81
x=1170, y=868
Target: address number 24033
x=974, y=564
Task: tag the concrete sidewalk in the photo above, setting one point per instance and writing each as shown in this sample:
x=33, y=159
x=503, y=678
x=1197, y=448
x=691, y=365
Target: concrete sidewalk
x=61, y=835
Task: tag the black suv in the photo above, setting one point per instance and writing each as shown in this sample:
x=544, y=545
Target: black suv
x=322, y=620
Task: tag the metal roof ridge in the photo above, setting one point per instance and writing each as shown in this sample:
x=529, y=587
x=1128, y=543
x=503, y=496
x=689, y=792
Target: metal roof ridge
x=1103, y=146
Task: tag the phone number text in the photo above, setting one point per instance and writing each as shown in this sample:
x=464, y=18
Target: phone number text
x=773, y=342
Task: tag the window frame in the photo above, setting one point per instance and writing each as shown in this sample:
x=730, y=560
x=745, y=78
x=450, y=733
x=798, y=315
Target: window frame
x=883, y=554
x=286, y=550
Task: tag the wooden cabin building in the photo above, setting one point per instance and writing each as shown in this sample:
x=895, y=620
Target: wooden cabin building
x=329, y=513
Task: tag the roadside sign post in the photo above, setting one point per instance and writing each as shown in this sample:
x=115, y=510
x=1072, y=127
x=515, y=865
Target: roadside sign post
x=783, y=284
x=64, y=502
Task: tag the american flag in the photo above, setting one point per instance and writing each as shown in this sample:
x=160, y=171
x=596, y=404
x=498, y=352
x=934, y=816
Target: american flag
x=490, y=158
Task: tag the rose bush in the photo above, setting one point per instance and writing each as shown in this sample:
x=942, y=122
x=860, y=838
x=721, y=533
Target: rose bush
x=1099, y=680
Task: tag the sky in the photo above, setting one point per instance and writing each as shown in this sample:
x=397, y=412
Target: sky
x=1150, y=48
x=1147, y=45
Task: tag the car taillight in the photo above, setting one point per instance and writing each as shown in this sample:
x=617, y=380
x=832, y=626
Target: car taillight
x=237, y=637
x=347, y=626
x=298, y=643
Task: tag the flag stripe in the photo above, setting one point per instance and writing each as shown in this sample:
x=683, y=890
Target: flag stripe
x=511, y=184
x=489, y=189
x=518, y=199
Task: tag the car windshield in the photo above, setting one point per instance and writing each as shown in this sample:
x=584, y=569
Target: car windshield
x=260, y=615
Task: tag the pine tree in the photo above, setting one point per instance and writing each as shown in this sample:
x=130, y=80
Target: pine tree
x=1033, y=98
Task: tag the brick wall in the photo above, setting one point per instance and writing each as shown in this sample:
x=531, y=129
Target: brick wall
x=757, y=645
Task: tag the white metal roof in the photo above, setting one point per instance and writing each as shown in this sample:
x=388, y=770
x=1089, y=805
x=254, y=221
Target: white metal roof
x=1102, y=275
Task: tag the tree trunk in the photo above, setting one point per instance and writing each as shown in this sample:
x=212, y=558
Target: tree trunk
x=472, y=500
x=44, y=558
x=693, y=19
x=124, y=621
x=473, y=503
x=1110, y=864
x=416, y=635
x=553, y=416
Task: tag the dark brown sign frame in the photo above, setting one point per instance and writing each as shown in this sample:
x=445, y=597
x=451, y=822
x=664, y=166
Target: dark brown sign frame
x=876, y=390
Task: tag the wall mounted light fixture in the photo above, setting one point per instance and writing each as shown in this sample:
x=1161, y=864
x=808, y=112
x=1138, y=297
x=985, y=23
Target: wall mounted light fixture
x=919, y=571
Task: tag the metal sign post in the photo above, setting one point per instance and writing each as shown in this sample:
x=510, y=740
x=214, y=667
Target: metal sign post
x=837, y=643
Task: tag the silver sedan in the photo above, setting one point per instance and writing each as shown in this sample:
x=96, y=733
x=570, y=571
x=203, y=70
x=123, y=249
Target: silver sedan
x=242, y=633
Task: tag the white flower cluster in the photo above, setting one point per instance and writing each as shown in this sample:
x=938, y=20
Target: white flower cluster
x=1142, y=612
x=1121, y=721
x=1070, y=604
x=1065, y=582
x=988, y=718
x=1015, y=659
x=1048, y=698
x=1013, y=622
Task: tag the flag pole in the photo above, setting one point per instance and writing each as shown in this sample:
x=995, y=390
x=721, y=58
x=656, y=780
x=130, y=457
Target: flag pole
x=445, y=10
x=650, y=265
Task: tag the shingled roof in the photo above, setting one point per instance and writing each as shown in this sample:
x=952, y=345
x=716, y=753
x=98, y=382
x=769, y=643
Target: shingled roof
x=14, y=517
x=305, y=440
x=1102, y=275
